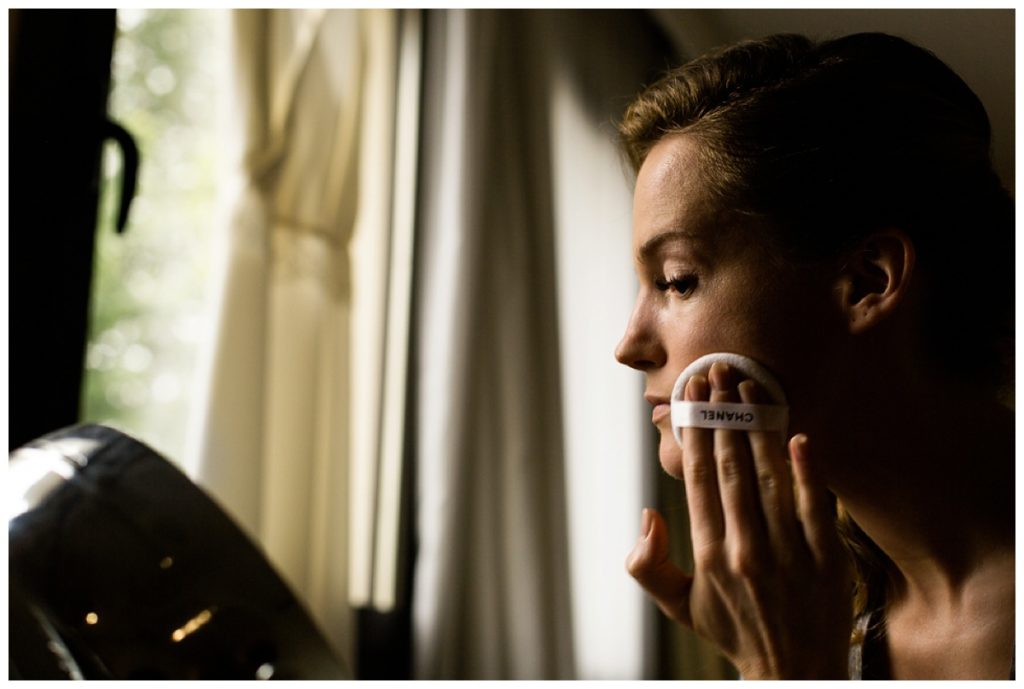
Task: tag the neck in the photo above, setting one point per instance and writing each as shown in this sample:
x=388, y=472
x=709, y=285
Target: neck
x=932, y=484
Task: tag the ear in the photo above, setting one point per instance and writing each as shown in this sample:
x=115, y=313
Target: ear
x=876, y=278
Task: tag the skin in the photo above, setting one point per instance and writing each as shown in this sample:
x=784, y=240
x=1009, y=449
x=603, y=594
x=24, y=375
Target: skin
x=770, y=587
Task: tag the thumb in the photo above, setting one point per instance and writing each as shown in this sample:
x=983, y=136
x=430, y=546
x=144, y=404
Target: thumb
x=649, y=564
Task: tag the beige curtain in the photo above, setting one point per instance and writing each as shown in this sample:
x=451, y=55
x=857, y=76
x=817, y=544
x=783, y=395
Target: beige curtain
x=491, y=598
x=531, y=463
x=278, y=428
x=530, y=439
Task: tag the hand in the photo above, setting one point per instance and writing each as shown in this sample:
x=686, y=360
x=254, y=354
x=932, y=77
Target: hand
x=771, y=589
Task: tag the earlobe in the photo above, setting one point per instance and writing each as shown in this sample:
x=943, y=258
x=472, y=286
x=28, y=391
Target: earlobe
x=875, y=278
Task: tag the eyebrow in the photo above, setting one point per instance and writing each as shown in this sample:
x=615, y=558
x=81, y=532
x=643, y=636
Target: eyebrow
x=652, y=245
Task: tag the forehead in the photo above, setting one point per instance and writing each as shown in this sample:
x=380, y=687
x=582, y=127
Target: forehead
x=670, y=194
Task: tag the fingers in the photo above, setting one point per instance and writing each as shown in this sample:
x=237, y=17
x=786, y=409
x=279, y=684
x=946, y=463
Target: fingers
x=744, y=527
x=774, y=480
x=701, y=478
x=739, y=487
x=649, y=564
x=813, y=503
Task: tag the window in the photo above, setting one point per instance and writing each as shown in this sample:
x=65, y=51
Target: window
x=150, y=285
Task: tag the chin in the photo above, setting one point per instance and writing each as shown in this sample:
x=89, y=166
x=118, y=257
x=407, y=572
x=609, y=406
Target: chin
x=670, y=455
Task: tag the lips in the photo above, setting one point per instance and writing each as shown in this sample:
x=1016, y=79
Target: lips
x=661, y=410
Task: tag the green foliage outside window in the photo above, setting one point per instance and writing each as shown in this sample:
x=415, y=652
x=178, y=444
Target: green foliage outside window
x=151, y=285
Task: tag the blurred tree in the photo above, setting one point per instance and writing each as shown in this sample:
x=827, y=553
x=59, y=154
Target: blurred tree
x=151, y=284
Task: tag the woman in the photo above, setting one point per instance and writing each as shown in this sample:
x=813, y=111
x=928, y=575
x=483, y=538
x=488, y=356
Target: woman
x=830, y=210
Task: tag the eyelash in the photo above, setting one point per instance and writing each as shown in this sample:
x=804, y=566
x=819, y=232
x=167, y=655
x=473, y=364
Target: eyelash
x=682, y=285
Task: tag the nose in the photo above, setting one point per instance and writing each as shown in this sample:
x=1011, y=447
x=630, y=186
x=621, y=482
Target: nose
x=640, y=347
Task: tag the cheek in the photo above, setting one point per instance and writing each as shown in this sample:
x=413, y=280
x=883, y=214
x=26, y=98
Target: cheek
x=692, y=331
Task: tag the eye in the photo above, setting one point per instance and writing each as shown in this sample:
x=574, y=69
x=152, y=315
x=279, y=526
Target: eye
x=681, y=285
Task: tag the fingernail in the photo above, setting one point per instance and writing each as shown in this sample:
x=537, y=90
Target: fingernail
x=800, y=445
x=748, y=392
x=645, y=523
x=696, y=389
x=635, y=555
x=719, y=375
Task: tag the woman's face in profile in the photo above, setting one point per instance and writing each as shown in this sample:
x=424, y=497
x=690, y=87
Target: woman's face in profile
x=709, y=284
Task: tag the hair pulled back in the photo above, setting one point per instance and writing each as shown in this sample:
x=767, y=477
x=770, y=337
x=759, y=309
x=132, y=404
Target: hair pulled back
x=830, y=141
